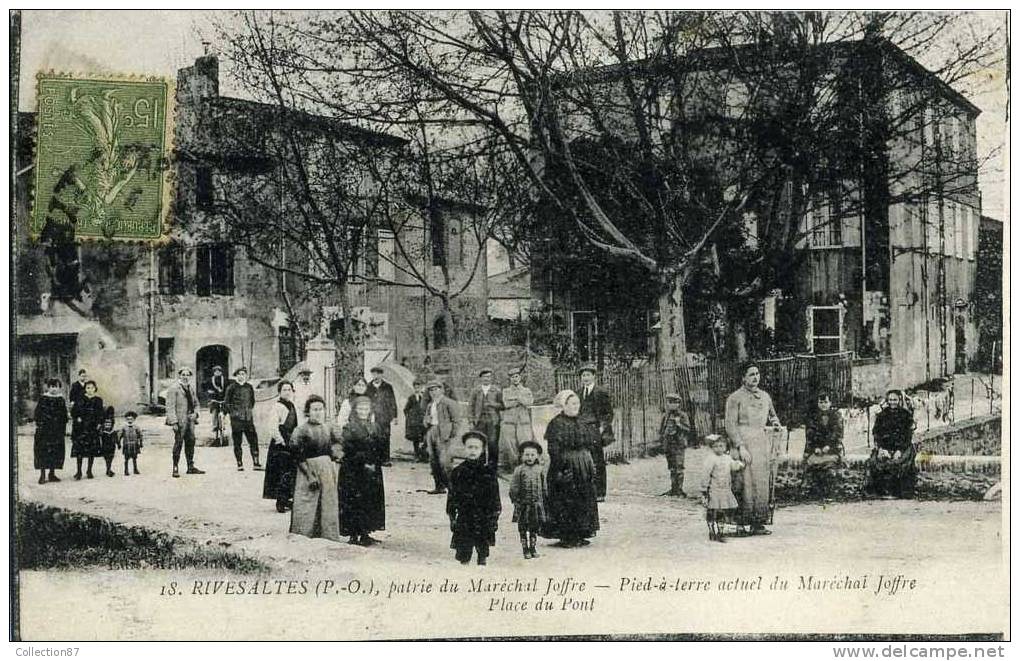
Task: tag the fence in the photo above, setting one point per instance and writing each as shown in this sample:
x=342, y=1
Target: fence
x=639, y=394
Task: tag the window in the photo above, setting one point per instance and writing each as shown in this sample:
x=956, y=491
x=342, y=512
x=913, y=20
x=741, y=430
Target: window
x=290, y=348
x=736, y=99
x=204, y=188
x=165, y=360
x=386, y=269
x=826, y=329
x=437, y=235
x=171, y=270
x=214, y=269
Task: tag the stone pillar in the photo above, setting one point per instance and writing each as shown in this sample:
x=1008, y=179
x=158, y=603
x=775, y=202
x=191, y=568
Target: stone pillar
x=320, y=357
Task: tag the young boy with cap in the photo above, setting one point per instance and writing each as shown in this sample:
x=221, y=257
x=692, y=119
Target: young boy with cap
x=473, y=502
x=674, y=435
x=414, y=421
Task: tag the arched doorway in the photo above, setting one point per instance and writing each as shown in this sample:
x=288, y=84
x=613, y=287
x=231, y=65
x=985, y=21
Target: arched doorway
x=439, y=337
x=208, y=357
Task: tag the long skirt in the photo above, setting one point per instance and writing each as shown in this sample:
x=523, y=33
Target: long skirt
x=573, y=508
x=893, y=477
x=86, y=443
x=756, y=477
x=511, y=435
x=362, y=500
x=279, y=480
x=48, y=449
x=316, y=510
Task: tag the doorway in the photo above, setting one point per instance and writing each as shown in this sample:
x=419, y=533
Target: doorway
x=208, y=357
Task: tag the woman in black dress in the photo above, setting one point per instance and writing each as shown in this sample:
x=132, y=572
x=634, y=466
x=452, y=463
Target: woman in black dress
x=362, y=495
x=279, y=482
x=50, y=428
x=573, y=509
x=88, y=414
x=892, y=472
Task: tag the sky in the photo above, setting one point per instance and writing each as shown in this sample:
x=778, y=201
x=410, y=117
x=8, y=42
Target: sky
x=161, y=42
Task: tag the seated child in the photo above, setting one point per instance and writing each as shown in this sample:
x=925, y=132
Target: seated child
x=716, y=487
x=528, y=493
x=473, y=502
x=130, y=441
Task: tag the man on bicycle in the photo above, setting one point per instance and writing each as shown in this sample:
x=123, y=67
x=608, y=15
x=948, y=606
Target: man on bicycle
x=216, y=389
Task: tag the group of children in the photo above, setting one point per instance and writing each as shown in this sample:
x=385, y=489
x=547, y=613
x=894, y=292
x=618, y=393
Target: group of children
x=93, y=432
x=473, y=501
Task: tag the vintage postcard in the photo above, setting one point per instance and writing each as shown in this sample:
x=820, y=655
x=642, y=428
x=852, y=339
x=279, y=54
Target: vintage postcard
x=510, y=324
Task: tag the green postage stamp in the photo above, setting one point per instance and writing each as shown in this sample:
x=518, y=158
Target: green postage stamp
x=101, y=156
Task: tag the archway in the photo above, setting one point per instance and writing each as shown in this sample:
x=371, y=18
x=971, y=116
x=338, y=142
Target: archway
x=439, y=335
x=205, y=359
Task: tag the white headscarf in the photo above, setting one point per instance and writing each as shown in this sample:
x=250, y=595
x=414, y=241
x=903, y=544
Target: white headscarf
x=560, y=400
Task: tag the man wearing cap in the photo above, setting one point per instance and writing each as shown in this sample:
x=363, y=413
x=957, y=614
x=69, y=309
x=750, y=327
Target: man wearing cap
x=414, y=421
x=597, y=411
x=486, y=404
x=440, y=431
x=384, y=407
x=216, y=389
x=515, y=427
x=240, y=403
x=182, y=414
x=674, y=435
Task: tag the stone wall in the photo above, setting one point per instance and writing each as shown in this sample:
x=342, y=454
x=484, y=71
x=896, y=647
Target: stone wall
x=977, y=436
x=940, y=478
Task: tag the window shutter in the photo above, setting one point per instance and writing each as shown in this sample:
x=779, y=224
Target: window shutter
x=202, y=271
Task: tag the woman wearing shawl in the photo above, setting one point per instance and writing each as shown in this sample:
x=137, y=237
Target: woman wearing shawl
x=891, y=469
x=362, y=495
x=279, y=482
x=315, y=446
x=573, y=509
x=749, y=411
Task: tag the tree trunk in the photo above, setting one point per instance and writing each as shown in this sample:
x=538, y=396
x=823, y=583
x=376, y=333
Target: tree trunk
x=672, y=339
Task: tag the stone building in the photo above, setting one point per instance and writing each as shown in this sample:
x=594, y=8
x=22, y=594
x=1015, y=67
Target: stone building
x=886, y=261
x=133, y=314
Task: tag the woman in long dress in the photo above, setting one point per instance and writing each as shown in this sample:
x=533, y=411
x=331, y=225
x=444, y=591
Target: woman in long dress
x=87, y=414
x=50, y=429
x=279, y=480
x=749, y=411
x=316, y=447
x=362, y=494
x=573, y=509
x=892, y=472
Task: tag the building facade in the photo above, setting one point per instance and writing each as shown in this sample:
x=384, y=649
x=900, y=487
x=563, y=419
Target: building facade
x=134, y=314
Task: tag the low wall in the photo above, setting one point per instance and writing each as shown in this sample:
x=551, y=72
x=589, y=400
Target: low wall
x=977, y=436
x=939, y=478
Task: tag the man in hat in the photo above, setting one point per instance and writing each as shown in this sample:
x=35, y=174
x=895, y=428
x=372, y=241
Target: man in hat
x=515, y=427
x=597, y=411
x=302, y=390
x=182, y=415
x=440, y=431
x=240, y=404
x=486, y=404
x=384, y=407
x=414, y=421
x=216, y=390
x=674, y=437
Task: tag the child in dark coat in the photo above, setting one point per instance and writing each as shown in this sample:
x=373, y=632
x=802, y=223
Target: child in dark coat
x=528, y=492
x=473, y=502
x=108, y=440
x=130, y=441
